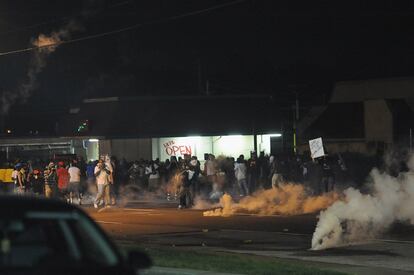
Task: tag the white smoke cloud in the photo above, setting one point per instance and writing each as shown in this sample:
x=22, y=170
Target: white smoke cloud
x=360, y=217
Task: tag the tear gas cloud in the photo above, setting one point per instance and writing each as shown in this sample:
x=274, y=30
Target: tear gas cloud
x=287, y=199
x=359, y=217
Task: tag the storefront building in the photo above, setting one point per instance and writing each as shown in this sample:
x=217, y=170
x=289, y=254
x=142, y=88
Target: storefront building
x=228, y=146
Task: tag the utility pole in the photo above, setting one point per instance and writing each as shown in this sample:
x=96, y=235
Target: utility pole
x=411, y=140
x=295, y=120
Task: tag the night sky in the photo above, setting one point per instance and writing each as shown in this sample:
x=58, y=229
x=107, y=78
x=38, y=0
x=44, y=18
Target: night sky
x=245, y=47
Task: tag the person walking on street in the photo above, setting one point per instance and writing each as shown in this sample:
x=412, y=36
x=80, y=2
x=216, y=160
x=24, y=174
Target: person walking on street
x=74, y=183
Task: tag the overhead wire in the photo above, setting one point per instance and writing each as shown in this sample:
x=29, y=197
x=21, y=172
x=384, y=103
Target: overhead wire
x=66, y=18
x=128, y=28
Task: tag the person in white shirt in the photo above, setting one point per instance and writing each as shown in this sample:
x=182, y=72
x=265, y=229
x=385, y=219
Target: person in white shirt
x=210, y=170
x=74, y=182
x=240, y=170
x=102, y=175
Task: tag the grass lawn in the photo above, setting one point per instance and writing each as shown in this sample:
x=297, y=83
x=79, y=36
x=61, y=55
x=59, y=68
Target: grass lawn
x=224, y=262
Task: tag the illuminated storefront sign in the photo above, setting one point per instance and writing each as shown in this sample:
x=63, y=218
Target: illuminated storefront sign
x=173, y=149
x=229, y=146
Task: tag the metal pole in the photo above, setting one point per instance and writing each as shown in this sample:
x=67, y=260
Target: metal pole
x=294, y=132
x=295, y=119
x=255, y=142
x=297, y=107
x=411, y=139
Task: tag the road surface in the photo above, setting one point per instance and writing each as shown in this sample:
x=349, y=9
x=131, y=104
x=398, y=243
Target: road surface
x=287, y=237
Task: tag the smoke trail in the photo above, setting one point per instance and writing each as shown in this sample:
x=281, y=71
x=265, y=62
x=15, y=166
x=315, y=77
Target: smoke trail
x=46, y=44
x=362, y=216
x=287, y=199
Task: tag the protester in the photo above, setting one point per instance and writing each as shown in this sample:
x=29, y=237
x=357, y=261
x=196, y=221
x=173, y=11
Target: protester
x=275, y=172
x=240, y=170
x=74, y=183
x=328, y=179
x=21, y=178
x=51, y=180
x=111, y=168
x=252, y=171
x=179, y=178
x=186, y=198
x=102, y=175
x=195, y=185
x=152, y=170
x=63, y=181
x=36, y=182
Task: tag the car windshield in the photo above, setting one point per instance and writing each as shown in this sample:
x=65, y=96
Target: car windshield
x=54, y=239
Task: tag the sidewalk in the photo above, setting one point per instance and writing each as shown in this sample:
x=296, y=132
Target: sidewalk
x=156, y=270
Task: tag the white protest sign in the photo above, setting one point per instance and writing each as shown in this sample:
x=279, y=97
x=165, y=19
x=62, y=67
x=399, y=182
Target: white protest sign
x=316, y=148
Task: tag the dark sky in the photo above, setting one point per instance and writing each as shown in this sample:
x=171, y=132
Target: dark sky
x=250, y=47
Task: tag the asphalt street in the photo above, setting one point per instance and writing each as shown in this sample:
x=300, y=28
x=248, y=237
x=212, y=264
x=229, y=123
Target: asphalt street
x=286, y=237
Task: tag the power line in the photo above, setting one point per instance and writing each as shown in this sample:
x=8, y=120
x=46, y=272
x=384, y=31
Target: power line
x=66, y=18
x=132, y=27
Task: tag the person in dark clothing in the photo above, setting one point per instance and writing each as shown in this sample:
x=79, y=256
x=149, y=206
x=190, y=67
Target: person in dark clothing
x=81, y=164
x=328, y=177
x=252, y=172
x=36, y=182
x=172, y=167
x=231, y=181
x=297, y=169
x=122, y=172
x=134, y=173
x=196, y=167
x=186, y=198
x=284, y=167
x=263, y=170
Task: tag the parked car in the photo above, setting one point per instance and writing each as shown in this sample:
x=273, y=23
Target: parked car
x=44, y=236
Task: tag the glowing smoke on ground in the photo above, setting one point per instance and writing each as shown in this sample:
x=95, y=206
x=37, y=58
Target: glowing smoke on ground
x=363, y=216
x=287, y=199
x=202, y=204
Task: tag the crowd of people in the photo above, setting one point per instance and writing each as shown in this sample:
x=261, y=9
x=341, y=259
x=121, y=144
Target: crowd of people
x=242, y=177
x=180, y=178
x=69, y=180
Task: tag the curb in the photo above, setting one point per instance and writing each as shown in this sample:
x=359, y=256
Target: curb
x=156, y=270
